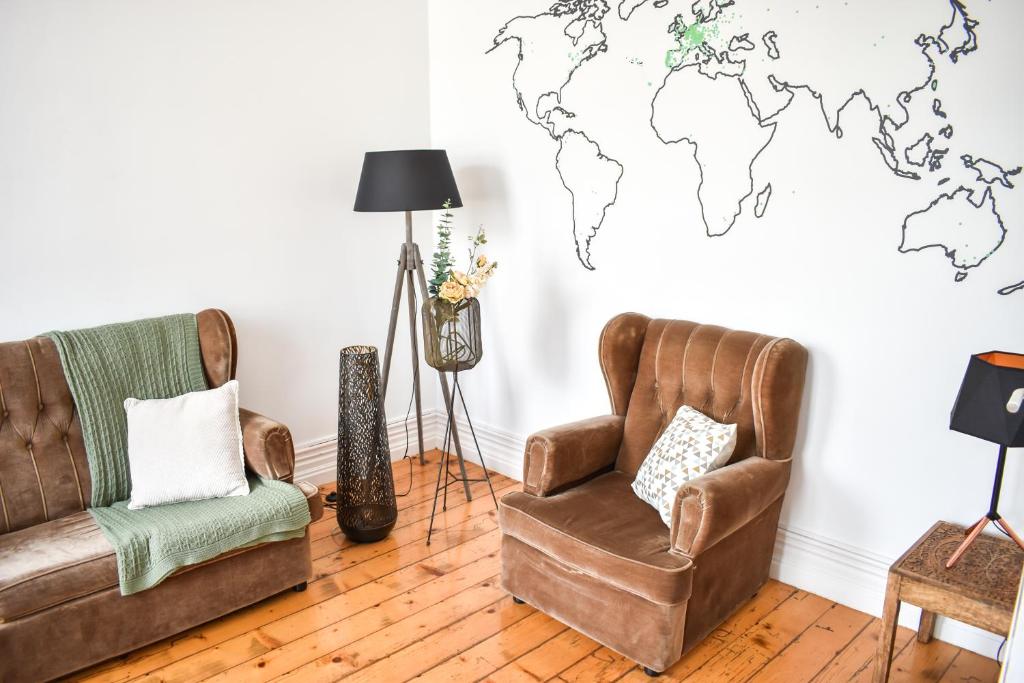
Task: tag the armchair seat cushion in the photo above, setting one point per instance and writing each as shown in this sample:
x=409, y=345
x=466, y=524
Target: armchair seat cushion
x=601, y=528
x=48, y=564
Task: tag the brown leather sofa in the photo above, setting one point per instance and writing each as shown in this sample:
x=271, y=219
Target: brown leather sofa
x=60, y=605
x=579, y=545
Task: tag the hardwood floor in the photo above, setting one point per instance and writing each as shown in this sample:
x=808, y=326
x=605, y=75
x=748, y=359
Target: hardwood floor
x=398, y=609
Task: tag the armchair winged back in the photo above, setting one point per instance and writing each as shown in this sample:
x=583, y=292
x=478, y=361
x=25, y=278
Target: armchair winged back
x=577, y=542
x=751, y=380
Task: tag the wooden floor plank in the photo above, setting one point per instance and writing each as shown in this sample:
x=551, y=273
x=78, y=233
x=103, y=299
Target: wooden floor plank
x=547, y=660
x=600, y=666
x=856, y=661
x=372, y=634
x=398, y=610
x=920, y=663
x=813, y=649
x=350, y=602
x=742, y=658
x=968, y=667
x=408, y=662
x=498, y=650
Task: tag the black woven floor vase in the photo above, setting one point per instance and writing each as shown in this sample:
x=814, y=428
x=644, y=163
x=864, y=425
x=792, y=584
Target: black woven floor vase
x=367, y=509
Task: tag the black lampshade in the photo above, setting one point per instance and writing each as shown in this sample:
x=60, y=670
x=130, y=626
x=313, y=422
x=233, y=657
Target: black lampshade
x=406, y=180
x=980, y=408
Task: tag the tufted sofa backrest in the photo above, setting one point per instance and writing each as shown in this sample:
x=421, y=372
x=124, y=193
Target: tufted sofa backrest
x=752, y=380
x=44, y=473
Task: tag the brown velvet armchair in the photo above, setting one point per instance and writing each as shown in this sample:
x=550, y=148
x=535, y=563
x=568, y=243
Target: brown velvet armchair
x=579, y=545
x=60, y=605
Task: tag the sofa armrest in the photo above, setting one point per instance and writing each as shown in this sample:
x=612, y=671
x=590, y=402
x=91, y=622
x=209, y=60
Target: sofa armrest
x=712, y=506
x=559, y=457
x=313, y=499
x=267, y=445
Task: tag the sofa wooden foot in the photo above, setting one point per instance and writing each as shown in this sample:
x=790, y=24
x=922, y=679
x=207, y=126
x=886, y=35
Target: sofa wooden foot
x=651, y=672
x=518, y=601
x=300, y=587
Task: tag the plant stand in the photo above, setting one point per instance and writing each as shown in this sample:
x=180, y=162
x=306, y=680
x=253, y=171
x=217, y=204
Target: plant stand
x=450, y=478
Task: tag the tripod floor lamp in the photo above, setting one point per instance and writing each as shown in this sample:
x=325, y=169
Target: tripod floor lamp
x=989, y=406
x=410, y=180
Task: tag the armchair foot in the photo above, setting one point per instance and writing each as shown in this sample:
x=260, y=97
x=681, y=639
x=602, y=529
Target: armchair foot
x=651, y=672
x=300, y=587
x=518, y=601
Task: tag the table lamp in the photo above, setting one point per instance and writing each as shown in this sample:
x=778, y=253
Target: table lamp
x=989, y=407
x=409, y=180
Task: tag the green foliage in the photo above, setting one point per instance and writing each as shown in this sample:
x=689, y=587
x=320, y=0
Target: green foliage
x=441, y=264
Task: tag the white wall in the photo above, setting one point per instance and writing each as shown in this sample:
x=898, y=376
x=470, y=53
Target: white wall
x=889, y=334
x=160, y=157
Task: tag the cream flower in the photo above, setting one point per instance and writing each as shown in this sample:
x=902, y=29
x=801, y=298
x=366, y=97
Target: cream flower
x=486, y=270
x=460, y=277
x=452, y=291
x=472, y=291
x=481, y=261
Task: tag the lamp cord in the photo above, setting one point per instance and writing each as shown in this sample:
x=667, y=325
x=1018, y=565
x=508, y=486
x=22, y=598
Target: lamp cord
x=408, y=409
x=406, y=456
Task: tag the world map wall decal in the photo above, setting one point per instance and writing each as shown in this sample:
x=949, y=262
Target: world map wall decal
x=745, y=62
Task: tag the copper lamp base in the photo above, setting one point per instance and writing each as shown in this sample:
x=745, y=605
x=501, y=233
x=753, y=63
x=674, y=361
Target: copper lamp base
x=991, y=516
x=975, y=530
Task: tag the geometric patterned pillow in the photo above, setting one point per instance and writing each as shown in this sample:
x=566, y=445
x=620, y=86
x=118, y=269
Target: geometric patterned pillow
x=692, y=444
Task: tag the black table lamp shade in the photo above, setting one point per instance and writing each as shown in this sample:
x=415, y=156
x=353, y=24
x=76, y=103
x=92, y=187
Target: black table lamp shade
x=406, y=180
x=980, y=408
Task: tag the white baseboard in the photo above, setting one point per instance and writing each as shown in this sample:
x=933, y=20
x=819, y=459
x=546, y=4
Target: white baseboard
x=316, y=460
x=851, y=576
x=503, y=451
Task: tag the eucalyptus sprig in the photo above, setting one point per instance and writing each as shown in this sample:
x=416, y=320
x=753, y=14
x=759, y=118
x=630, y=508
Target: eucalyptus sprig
x=441, y=264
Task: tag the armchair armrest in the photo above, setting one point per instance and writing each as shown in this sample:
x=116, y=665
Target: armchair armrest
x=267, y=446
x=710, y=507
x=559, y=457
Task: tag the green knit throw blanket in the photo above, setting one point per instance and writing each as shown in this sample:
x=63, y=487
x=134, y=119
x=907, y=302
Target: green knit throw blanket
x=159, y=358
x=153, y=543
x=155, y=358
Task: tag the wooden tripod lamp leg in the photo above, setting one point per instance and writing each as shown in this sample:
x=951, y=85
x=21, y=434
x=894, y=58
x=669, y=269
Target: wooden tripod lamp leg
x=389, y=346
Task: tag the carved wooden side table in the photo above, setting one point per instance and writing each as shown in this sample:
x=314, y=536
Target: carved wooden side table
x=979, y=590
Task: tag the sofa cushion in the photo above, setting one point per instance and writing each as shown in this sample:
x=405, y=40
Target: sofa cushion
x=54, y=562
x=603, y=529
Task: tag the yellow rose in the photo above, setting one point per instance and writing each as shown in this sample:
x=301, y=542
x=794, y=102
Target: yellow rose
x=460, y=277
x=452, y=292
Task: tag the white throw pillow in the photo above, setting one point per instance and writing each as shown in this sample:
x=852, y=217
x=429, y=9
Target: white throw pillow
x=185, y=448
x=692, y=444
